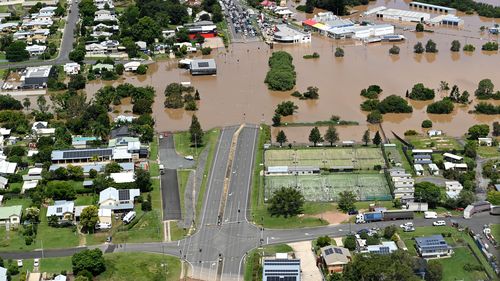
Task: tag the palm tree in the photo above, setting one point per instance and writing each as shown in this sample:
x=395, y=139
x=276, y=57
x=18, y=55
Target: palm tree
x=100, y=131
x=26, y=103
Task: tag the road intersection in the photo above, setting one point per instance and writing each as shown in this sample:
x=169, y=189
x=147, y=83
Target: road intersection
x=218, y=248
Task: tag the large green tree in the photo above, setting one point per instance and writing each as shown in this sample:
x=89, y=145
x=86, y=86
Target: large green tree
x=331, y=135
x=287, y=202
x=16, y=51
x=146, y=29
x=346, y=201
x=281, y=138
x=478, y=131
x=315, y=136
x=428, y=192
x=89, y=218
x=143, y=180
x=89, y=260
x=377, y=140
x=195, y=132
x=434, y=271
x=366, y=137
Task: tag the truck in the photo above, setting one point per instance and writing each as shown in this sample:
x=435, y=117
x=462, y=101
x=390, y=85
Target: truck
x=369, y=217
x=482, y=206
x=398, y=215
x=384, y=216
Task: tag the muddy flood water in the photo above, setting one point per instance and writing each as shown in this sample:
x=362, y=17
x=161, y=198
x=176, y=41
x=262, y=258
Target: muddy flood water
x=238, y=93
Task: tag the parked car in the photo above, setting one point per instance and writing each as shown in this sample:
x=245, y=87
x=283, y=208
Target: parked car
x=19, y=263
x=408, y=224
x=103, y=225
x=36, y=263
x=430, y=215
x=189, y=157
x=439, y=223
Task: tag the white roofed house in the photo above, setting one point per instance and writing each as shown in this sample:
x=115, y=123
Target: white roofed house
x=3, y=182
x=105, y=215
x=485, y=141
x=124, y=177
x=95, y=49
x=41, y=128
x=36, y=50
x=72, y=68
x=3, y=274
x=434, y=169
x=104, y=16
x=453, y=189
x=63, y=210
x=452, y=157
x=132, y=66
x=118, y=199
x=7, y=168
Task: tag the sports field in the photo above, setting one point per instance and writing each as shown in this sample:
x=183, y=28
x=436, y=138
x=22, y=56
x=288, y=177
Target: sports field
x=322, y=188
x=360, y=158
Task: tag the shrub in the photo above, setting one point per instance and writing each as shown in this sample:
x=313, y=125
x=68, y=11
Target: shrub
x=281, y=75
x=490, y=46
x=339, y=52
x=431, y=47
x=394, y=104
x=427, y=124
x=374, y=117
x=420, y=92
x=206, y=51
x=411, y=133
x=418, y=48
x=419, y=27
x=469, y=48
x=394, y=50
x=371, y=92
x=444, y=106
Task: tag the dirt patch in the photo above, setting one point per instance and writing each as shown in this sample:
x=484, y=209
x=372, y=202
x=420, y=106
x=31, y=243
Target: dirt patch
x=333, y=217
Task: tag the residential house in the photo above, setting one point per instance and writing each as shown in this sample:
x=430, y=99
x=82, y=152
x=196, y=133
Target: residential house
x=143, y=46
x=111, y=45
x=118, y=199
x=123, y=177
x=453, y=188
x=419, y=169
x=37, y=24
x=281, y=267
x=5, y=132
x=3, y=274
x=449, y=157
x=95, y=49
x=41, y=128
x=132, y=66
x=3, y=182
x=104, y=4
x=105, y=27
x=417, y=206
x=91, y=155
x=105, y=215
x=97, y=34
x=8, y=26
x=78, y=212
x=62, y=209
x=104, y=16
x=22, y=35
x=11, y=215
x=27, y=185
x=387, y=247
x=7, y=168
x=485, y=141
x=335, y=258
x=101, y=66
x=36, y=50
x=33, y=174
x=422, y=156
x=81, y=142
x=121, y=131
x=124, y=118
x=72, y=68
x=461, y=167
x=432, y=247
x=433, y=169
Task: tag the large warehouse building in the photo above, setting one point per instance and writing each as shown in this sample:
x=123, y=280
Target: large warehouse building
x=402, y=15
x=285, y=34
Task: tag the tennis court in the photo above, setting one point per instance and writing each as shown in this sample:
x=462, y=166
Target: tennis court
x=322, y=188
x=360, y=158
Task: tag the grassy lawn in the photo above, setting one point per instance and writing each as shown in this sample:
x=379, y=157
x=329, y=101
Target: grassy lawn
x=182, y=176
x=52, y=237
x=25, y=202
x=49, y=265
x=488, y=151
x=85, y=200
x=147, y=267
x=153, y=149
x=148, y=229
x=437, y=143
x=452, y=267
x=253, y=269
x=406, y=165
x=13, y=241
x=211, y=138
x=176, y=232
x=154, y=169
x=495, y=229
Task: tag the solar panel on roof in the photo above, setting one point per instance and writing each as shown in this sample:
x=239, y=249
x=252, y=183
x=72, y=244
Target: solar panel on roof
x=328, y=251
x=337, y=250
x=384, y=250
x=203, y=64
x=123, y=194
x=87, y=153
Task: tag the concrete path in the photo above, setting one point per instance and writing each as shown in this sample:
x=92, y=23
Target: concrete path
x=302, y=250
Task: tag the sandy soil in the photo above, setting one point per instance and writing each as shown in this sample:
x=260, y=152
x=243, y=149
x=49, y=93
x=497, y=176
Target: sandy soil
x=303, y=251
x=333, y=217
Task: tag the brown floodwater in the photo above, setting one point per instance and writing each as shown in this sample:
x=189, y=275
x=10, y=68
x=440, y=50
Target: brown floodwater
x=238, y=93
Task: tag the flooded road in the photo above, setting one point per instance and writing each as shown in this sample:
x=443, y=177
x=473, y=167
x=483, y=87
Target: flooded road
x=238, y=93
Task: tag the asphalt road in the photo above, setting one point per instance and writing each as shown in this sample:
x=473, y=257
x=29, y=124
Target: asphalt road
x=169, y=157
x=170, y=195
x=235, y=236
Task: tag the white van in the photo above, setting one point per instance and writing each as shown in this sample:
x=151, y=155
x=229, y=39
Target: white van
x=430, y=215
x=103, y=225
x=130, y=216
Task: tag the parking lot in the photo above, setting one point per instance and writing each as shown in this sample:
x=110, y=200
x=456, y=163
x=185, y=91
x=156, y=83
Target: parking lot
x=240, y=22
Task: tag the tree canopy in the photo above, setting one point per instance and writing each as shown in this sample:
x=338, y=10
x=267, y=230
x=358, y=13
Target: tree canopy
x=89, y=260
x=287, y=202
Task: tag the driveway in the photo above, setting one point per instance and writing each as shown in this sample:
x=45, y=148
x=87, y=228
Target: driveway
x=302, y=250
x=169, y=157
x=170, y=195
